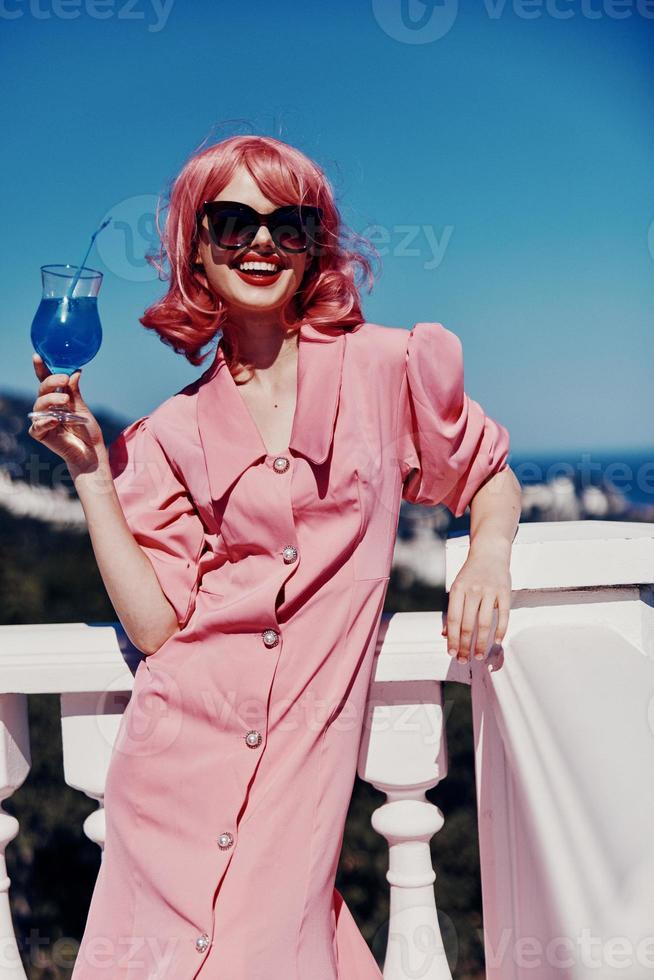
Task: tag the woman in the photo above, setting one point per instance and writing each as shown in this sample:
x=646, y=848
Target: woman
x=244, y=530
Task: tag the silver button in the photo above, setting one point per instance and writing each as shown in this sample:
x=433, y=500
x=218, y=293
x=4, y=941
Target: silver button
x=290, y=554
x=270, y=637
x=202, y=942
x=253, y=739
x=281, y=464
x=225, y=840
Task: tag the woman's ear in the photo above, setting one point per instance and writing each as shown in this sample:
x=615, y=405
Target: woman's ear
x=196, y=254
x=199, y=274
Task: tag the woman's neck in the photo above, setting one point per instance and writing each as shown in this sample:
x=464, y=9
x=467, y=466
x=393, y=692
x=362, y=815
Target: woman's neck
x=260, y=344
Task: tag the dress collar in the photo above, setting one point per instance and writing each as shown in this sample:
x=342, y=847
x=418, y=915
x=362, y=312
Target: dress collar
x=230, y=438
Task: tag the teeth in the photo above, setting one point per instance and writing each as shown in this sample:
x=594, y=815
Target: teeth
x=258, y=266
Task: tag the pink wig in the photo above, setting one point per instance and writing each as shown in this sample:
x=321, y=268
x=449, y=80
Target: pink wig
x=189, y=315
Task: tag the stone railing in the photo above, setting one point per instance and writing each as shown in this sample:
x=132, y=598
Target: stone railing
x=563, y=718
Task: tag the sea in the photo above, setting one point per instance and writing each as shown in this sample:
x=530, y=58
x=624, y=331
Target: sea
x=629, y=472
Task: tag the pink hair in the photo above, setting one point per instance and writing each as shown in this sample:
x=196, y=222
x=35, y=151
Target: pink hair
x=189, y=315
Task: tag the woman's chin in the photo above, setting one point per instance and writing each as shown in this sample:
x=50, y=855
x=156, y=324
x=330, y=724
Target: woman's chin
x=242, y=313
x=255, y=298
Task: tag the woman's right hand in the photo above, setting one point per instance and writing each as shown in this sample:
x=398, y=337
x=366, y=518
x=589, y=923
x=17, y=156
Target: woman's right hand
x=78, y=444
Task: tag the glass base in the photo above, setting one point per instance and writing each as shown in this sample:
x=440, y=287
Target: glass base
x=60, y=414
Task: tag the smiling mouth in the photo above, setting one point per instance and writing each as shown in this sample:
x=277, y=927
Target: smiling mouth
x=259, y=273
x=258, y=268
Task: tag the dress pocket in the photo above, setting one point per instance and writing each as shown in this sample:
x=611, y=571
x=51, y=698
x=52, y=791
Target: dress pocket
x=374, y=554
x=214, y=581
x=210, y=592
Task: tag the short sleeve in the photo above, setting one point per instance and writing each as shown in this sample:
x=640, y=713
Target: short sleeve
x=447, y=446
x=159, y=512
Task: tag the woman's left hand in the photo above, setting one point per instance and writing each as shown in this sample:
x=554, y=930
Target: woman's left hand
x=483, y=583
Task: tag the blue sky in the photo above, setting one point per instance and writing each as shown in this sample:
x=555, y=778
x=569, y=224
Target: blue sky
x=504, y=149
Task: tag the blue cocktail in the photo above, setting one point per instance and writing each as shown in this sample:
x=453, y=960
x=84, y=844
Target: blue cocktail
x=66, y=329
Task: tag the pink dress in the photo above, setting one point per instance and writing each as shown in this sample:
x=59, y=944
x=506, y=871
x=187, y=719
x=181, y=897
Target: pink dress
x=232, y=772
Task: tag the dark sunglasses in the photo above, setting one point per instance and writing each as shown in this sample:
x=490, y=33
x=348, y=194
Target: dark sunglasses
x=234, y=225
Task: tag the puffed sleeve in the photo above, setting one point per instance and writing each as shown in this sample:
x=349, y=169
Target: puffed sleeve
x=159, y=512
x=448, y=447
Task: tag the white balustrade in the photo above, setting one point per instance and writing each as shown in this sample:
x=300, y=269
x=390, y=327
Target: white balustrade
x=563, y=717
x=90, y=666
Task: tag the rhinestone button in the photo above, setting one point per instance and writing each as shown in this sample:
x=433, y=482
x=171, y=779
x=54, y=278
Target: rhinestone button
x=281, y=464
x=270, y=637
x=253, y=739
x=225, y=840
x=202, y=942
x=290, y=554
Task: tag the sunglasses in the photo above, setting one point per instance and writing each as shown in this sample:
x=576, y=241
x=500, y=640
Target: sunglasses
x=234, y=225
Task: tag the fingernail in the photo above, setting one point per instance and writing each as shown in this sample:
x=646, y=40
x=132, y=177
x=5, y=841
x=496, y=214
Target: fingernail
x=479, y=656
x=461, y=659
x=451, y=651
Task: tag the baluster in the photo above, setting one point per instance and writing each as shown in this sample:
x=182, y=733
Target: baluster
x=15, y=762
x=89, y=725
x=404, y=754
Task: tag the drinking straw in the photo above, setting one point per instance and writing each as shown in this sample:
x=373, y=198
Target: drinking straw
x=71, y=288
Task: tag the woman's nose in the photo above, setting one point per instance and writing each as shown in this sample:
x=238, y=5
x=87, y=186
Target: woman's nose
x=263, y=237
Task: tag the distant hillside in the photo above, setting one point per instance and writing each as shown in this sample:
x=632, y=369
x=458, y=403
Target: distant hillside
x=26, y=460
x=35, y=486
